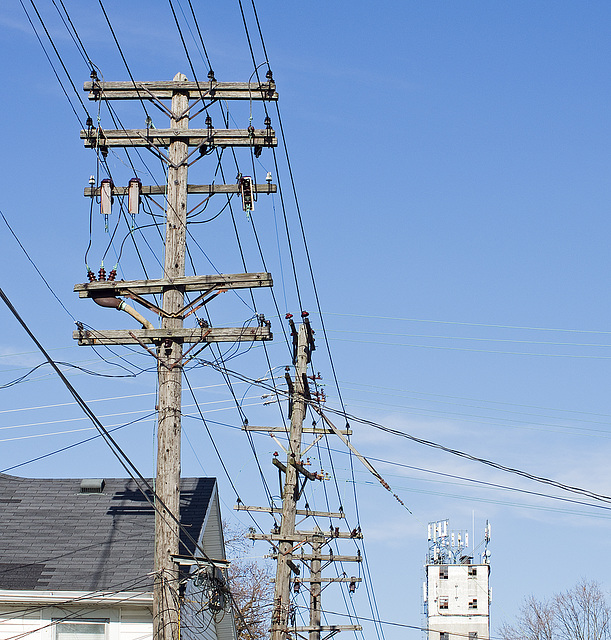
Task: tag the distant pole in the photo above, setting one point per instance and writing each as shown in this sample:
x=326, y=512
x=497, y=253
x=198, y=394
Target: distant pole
x=166, y=605
x=282, y=592
x=315, y=585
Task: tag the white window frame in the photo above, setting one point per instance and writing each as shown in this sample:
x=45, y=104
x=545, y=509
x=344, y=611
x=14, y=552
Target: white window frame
x=99, y=621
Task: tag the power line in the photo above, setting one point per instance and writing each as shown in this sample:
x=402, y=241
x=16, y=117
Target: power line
x=112, y=31
x=408, y=626
x=492, y=351
x=38, y=271
x=414, y=394
x=435, y=445
x=74, y=444
x=157, y=504
x=74, y=34
x=483, y=483
x=473, y=338
x=58, y=57
x=468, y=324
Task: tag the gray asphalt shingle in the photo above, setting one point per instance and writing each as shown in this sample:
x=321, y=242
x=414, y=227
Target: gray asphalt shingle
x=52, y=537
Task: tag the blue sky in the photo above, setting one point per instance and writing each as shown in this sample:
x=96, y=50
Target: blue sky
x=451, y=165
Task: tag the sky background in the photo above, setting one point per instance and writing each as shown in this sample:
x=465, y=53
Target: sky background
x=451, y=163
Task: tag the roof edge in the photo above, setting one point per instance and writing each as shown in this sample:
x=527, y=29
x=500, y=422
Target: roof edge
x=139, y=598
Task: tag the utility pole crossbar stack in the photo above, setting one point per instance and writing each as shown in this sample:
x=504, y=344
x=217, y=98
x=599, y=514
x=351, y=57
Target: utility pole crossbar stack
x=168, y=340
x=287, y=542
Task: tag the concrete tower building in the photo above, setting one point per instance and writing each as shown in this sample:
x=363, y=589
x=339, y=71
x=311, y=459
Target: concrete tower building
x=457, y=590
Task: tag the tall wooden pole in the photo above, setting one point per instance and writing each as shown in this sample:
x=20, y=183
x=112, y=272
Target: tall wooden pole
x=166, y=607
x=282, y=592
x=173, y=283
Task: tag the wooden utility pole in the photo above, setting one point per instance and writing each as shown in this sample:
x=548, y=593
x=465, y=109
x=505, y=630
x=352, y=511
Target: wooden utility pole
x=166, y=616
x=169, y=339
x=289, y=543
x=282, y=593
x=315, y=584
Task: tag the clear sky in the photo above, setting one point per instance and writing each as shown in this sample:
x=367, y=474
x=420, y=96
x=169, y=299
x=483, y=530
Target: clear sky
x=451, y=165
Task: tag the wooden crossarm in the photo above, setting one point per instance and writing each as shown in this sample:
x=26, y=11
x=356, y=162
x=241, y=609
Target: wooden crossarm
x=184, y=283
x=192, y=137
x=164, y=90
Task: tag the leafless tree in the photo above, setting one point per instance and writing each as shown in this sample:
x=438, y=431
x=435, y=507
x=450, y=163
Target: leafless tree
x=251, y=586
x=250, y=582
x=581, y=613
x=536, y=622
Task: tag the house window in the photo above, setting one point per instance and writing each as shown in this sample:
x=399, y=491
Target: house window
x=443, y=602
x=443, y=573
x=473, y=603
x=444, y=635
x=472, y=635
x=81, y=630
x=472, y=572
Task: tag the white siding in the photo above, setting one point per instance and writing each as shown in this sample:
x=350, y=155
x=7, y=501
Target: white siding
x=136, y=623
x=125, y=623
x=14, y=622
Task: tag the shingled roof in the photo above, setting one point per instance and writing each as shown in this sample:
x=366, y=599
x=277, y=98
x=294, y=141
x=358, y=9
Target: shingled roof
x=53, y=537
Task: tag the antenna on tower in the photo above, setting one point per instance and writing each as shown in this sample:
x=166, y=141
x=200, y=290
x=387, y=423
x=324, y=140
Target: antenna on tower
x=486, y=554
x=446, y=546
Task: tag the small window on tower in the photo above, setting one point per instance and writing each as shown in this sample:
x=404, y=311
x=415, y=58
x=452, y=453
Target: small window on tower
x=472, y=635
x=444, y=602
x=443, y=573
x=473, y=603
x=472, y=572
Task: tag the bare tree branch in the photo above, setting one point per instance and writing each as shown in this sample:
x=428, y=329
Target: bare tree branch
x=581, y=613
x=250, y=582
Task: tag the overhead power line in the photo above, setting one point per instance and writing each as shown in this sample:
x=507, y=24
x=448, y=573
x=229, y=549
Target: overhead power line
x=469, y=324
x=58, y=57
x=435, y=445
x=143, y=484
x=38, y=271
